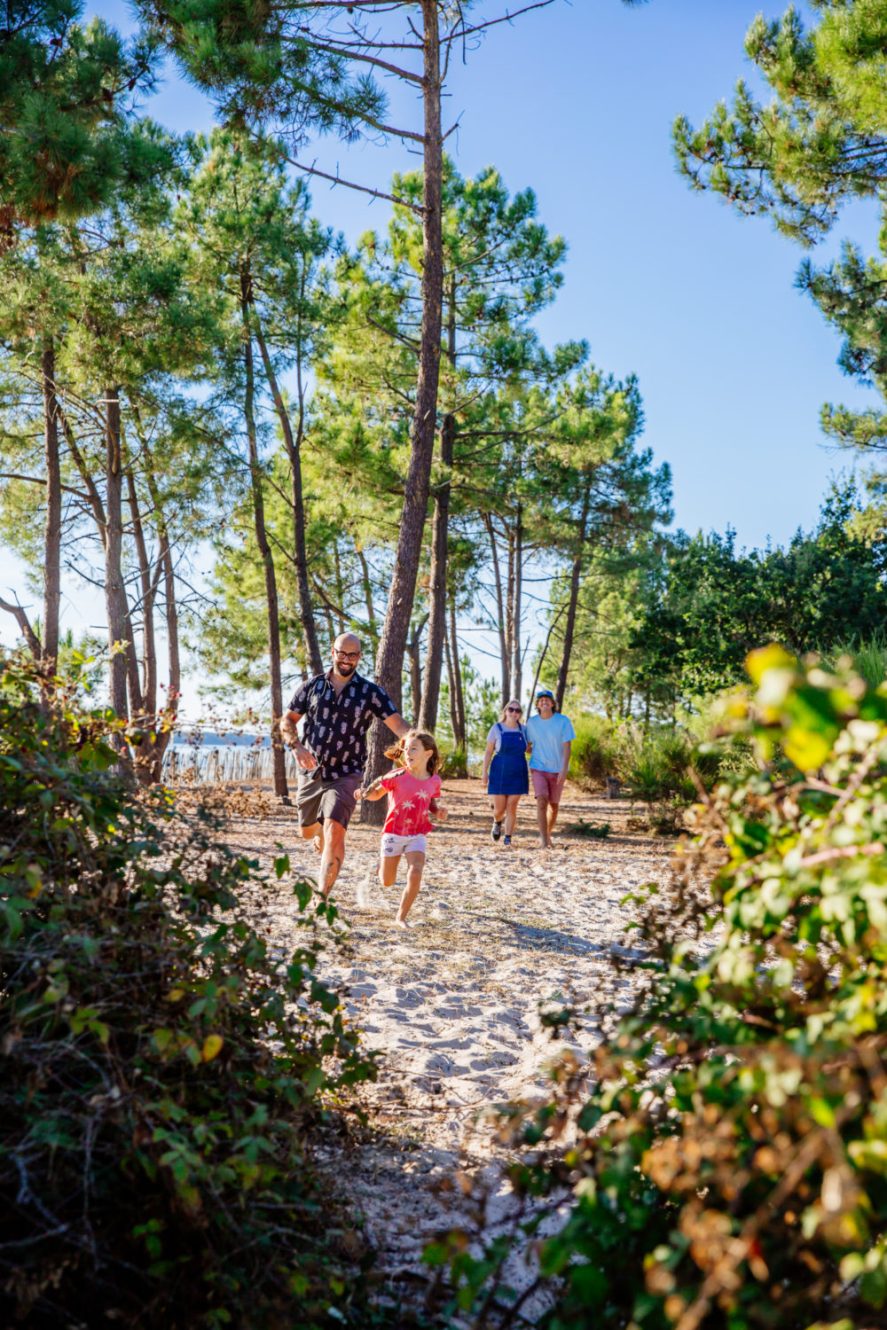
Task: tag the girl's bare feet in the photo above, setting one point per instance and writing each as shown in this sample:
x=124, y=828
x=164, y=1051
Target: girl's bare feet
x=317, y=842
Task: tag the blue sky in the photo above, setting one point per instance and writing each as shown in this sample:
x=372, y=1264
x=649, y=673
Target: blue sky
x=577, y=101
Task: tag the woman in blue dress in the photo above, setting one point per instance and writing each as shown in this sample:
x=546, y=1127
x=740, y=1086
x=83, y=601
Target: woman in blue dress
x=505, y=769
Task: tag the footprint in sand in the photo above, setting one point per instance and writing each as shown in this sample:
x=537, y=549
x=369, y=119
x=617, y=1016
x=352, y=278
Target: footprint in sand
x=362, y=990
x=454, y=1043
x=440, y=1065
x=487, y=1061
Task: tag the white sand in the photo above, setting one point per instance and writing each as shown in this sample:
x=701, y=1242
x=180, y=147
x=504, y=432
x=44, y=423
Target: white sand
x=453, y=1003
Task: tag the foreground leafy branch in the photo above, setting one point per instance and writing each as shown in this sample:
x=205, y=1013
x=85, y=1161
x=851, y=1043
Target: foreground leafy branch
x=722, y=1161
x=162, y=1077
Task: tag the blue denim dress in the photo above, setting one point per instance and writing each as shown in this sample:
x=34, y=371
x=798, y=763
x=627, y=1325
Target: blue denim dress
x=508, y=769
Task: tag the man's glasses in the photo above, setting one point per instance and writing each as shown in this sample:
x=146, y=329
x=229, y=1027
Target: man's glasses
x=346, y=655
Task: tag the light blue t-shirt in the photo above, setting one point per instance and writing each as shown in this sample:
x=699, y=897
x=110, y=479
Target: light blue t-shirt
x=548, y=738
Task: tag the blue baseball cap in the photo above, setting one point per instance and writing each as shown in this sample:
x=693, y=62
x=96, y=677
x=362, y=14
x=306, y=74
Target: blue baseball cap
x=544, y=692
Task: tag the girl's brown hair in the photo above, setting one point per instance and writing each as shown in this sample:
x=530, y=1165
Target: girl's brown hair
x=426, y=740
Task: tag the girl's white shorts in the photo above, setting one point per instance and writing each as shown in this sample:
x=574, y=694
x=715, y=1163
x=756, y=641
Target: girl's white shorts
x=392, y=845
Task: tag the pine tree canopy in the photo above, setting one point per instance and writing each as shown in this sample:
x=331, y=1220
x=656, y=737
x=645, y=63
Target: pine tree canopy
x=65, y=92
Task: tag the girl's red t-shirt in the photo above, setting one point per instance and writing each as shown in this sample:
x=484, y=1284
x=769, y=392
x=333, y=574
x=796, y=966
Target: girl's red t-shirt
x=408, y=800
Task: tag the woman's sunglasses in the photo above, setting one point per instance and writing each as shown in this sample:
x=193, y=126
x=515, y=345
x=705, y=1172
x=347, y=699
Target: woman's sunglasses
x=517, y=709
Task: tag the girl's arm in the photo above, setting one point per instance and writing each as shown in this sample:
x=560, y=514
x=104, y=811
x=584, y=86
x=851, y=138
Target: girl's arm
x=372, y=792
x=488, y=757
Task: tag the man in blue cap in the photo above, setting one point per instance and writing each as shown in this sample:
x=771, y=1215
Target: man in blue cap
x=551, y=733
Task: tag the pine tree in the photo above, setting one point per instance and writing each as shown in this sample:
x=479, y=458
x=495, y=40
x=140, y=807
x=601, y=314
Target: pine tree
x=68, y=138
x=821, y=142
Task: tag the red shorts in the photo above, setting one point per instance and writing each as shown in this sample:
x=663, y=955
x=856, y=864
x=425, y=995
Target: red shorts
x=548, y=785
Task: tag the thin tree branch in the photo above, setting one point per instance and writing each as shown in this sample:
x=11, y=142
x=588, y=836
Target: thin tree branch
x=508, y=17
x=417, y=208
x=345, y=49
x=20, y=615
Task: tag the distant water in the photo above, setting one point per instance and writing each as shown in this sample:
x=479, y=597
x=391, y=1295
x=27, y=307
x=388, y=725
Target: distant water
x=208, y=756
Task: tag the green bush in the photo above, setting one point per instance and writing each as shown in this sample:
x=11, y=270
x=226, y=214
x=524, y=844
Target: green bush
x=454, y=765
x=162, y=1077
x=596, y=752
x=656, y=772
x=728, y=1169
x=590, y=830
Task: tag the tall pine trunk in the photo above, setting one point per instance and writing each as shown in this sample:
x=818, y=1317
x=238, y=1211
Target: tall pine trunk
x=372, y=626
x=255, y=471
x=457, y=696
x=437, y=617
x=148, y=580
x=389, y=661
x=414, y=652
x=500, y=608
x=167, y=715
x=517, y=664
x=573, y=600
x=437, y=625
x=115, y=591
x=509, y=620
x=148, y=585
x=52, y=570
x=293, y=443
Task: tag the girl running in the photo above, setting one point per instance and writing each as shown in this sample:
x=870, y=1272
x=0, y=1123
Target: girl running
x=412, y=793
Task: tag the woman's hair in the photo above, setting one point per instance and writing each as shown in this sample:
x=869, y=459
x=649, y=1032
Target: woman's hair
x=513, y=702
x=396, y=753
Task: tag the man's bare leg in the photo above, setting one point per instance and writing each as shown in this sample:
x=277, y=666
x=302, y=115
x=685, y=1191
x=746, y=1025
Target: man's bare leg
x=552, y=818
x=542, y=819
x=332, y=857
x=314, y=833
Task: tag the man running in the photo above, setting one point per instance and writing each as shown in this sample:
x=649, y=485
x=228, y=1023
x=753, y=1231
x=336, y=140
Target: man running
x=339, y=707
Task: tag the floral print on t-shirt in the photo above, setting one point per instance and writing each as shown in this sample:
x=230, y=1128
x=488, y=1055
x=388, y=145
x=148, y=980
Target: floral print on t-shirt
x=408, y=800
x=336, y=725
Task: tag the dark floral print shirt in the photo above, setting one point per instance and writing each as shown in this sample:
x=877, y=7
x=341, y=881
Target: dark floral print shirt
x=335, y=728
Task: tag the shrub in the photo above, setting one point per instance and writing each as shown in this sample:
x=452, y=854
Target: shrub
x=590, y=830
x=657, y=773
x=596, y=753
x=727, y=1169
x=162, y=1078
x=455, y=765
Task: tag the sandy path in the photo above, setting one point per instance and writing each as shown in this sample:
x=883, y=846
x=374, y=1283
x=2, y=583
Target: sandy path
x=454, y=1002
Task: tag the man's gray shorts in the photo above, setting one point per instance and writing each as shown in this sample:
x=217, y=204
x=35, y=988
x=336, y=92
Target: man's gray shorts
x=326, y=798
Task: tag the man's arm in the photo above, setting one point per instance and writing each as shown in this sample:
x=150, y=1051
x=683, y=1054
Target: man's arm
x=306, y=760
x=397, y=725
x=565, y=760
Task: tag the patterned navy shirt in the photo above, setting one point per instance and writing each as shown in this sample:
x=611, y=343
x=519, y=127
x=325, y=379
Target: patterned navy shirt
x=336, y=727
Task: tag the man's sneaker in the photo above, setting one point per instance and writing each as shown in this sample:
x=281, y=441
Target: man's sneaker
x=496, y=831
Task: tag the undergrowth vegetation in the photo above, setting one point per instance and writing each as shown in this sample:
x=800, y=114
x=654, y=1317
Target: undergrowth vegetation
x=721, y=1162
x=661, y=768
x=161, y=1077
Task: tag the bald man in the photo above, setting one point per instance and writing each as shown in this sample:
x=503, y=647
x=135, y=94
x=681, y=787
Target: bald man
x=338, y=708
